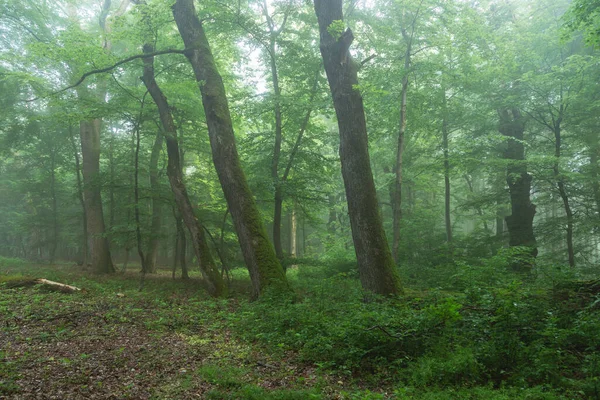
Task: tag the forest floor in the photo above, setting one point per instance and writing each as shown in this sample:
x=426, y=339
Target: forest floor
x=112, y=341
x=170, y=340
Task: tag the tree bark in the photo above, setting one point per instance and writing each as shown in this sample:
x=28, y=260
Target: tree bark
x=213, y=279
x=376, y=266
x=520, y=222
x=156, y=205
x=259, y=254
x=101, y=260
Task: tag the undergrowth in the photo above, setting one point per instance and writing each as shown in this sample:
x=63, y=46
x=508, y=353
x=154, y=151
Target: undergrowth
x=487, y=335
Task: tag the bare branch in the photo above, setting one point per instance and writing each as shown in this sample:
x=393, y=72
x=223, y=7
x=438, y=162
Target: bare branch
x=110, y=68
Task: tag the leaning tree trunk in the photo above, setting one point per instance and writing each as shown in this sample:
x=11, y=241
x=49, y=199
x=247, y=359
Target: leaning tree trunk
x=214, y=281
x=152, y=252
x=101, y=260
x=520, y=222
x=376, y=266
x=259, y=255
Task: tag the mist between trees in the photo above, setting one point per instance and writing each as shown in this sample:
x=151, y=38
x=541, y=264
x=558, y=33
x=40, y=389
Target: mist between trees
x=399, y=144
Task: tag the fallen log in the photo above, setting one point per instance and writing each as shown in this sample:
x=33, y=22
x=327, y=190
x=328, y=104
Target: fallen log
x=50, y=285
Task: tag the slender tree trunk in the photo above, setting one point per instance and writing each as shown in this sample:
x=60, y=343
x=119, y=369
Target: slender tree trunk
x=500, y=205
x=175, y=256
x=286, y=173
x=136, y=197
x=179, y=256
x=126, y=261
x=156, y=204
x=212, y=277
x=293, y=233
x=594, y=150
x=55, y=228
x=259, y=254
x=477, y=208
x=520, y=222
x=111, y=188
x=90, y=148
x=445, y=147
x=331, y=222
x=397, y=193
x=182, y=250
x=562, y=190
x=80, y=197
x=276, y=151
x=377, y=270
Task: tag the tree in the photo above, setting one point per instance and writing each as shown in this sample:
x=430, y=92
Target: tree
x=259, y=255
x=520, y=222
x=376, y=266
x=212, y=277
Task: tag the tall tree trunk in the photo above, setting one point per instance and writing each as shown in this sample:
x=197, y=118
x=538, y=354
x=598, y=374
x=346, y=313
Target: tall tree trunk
x=55, y=228
x=594, y=150
x=447, y=220
x=562, y=190
x=90, y=149
x=136, y=196
x=89, y=131
x=81, y=199
x=376, y=266
x=111, y=188
x=212, y=277
x=397, y=193
x=276, y=151
x=520, y=222
x=180, y=247
x=288, y=168
x=259, y=254
x=500, y=205
x=156, y=205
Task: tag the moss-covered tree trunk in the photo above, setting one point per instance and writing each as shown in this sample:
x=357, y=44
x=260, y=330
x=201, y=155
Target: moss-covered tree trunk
x=520, y=222
x=259, y=254
x=376, y=266
x=212, y=277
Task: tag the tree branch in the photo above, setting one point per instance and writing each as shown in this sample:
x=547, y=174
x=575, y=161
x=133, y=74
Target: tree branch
x=109, y=68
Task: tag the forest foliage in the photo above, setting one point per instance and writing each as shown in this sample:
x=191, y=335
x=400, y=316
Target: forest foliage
x=407, y=190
